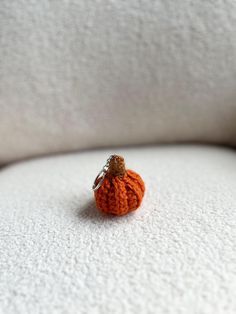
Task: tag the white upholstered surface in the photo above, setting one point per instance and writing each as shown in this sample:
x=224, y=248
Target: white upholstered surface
x=175, y=255
x=79, y=74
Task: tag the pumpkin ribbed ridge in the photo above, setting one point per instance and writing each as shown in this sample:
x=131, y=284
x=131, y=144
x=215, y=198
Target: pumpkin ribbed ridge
x=120, y=195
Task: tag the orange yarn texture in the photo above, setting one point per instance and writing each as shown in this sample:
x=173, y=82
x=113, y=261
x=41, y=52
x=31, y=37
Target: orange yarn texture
x=120, y=194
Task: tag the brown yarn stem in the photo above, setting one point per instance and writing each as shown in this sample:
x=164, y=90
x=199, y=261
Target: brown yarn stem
x=117, y=166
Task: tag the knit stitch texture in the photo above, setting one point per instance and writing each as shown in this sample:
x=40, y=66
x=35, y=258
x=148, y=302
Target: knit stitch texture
x=120, y=196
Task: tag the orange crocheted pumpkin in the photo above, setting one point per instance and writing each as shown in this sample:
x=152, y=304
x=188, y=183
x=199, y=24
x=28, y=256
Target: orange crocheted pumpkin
x=118, y=191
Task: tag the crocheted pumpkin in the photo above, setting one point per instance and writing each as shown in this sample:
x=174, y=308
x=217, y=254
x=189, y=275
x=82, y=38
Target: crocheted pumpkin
x=118, y=191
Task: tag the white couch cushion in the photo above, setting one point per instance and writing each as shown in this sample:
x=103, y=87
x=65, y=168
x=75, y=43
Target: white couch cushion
x=176, y=254
x=82, y=74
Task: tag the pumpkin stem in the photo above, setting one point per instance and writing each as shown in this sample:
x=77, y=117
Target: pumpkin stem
x=117, y=166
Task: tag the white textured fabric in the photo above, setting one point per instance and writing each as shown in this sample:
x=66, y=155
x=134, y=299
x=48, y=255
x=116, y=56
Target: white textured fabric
x=80, y=74
x=176, y=254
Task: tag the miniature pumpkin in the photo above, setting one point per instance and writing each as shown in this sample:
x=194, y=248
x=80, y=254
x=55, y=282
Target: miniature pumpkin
x=118, y=191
